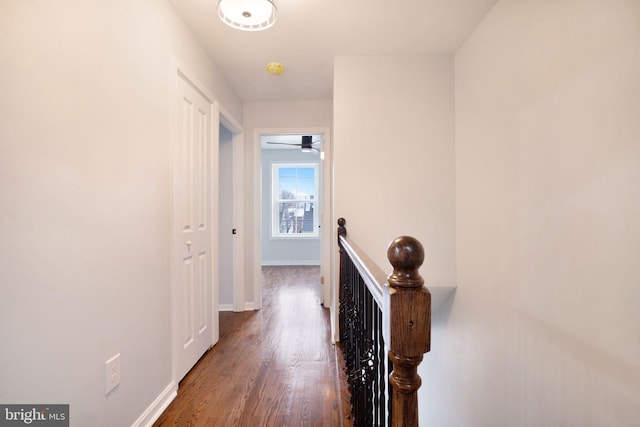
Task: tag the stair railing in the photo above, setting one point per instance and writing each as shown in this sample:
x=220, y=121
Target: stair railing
x=385, y=329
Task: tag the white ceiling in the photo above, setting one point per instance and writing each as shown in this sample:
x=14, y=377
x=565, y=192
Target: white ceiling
x=309, y=33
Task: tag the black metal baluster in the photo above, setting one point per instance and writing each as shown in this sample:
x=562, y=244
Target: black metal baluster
x=374, y=367
x=382, y=371
x=368, y=358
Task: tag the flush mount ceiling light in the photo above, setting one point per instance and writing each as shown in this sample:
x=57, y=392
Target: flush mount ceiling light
x=248, y=15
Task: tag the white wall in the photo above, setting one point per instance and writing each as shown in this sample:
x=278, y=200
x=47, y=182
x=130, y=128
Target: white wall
x=281, y=251
x=84, y=200
x=394, y=161
x=394, y=156
x=543, y=330
x=270, y=115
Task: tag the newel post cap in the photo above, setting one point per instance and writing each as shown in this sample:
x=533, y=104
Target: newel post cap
x=406, y=255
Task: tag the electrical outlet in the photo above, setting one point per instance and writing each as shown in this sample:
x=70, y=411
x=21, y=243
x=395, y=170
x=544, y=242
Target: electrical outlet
x=112, y=373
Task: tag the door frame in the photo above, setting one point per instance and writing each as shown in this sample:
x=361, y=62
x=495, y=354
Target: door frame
x=227, y=120
x=325, y=215
x=180, y=71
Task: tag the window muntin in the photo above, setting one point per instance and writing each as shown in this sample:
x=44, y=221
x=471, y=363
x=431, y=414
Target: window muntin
x=294, y=199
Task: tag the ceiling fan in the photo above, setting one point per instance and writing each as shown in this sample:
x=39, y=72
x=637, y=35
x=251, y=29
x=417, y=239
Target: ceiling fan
x=307, y=145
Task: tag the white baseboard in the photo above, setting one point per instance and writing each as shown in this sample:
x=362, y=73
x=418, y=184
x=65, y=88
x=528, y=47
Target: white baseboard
x=248, y=306
x=293, y=263
x=225, y=307
x=153, y=412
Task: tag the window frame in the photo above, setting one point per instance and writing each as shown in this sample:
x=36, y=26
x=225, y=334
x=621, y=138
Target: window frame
x=275, y=201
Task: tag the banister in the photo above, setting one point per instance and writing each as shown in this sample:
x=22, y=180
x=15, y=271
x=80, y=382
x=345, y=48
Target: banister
x=405, y=306
x=374, y=277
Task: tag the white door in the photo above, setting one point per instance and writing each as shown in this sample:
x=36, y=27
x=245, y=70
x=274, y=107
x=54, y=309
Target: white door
x=192, y=240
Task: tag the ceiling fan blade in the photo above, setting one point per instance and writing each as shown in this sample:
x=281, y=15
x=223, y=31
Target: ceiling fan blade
x=307, y=144
x=284, y=143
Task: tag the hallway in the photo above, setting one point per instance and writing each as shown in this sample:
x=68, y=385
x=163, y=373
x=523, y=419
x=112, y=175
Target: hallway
x=272, y=367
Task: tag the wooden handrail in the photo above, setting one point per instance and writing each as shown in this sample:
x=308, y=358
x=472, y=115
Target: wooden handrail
x=373, y=275
x=405, y=303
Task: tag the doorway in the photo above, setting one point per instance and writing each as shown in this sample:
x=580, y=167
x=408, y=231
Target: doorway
x=230, y=265
x=226, y=221
x=277, y=246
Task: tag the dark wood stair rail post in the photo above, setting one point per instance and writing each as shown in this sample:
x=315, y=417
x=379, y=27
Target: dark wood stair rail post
x=410, y=311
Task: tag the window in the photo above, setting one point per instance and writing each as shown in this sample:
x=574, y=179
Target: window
x=294, y=189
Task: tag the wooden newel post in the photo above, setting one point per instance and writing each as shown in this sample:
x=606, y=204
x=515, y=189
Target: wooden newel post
x=410, y=311
x=342, y=230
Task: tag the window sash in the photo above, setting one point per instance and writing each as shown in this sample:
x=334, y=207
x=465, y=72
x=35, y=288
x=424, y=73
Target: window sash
x=294, y=217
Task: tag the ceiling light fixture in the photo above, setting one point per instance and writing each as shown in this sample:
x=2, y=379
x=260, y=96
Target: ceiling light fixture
x=248, y=15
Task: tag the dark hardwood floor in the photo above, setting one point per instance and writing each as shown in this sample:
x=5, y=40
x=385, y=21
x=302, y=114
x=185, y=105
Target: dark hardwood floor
x=272, y=367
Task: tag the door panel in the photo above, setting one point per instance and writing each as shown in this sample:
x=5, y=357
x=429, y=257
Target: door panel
x=192, y=225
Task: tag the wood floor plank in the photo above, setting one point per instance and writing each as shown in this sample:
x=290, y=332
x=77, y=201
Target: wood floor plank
x=272, y=367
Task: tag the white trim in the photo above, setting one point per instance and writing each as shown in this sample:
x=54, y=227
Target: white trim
x=157, y=407
x=276, y=263
x=299, y=236
x=181, y=71
x=229, y=122
x=215, y=220
x=225, y=307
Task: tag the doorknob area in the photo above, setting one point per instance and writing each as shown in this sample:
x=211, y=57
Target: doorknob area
x=234, y=231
